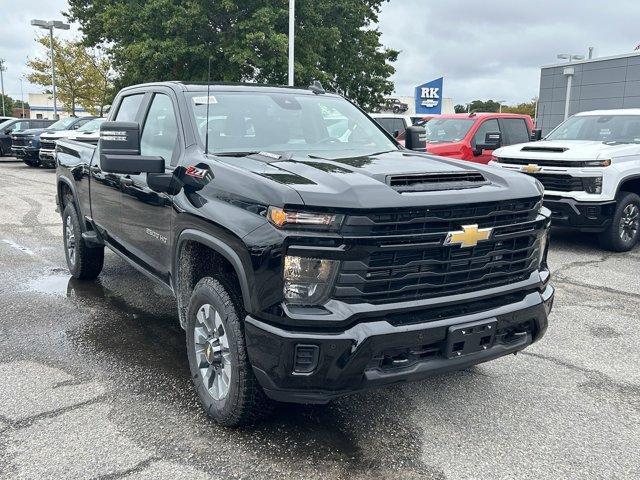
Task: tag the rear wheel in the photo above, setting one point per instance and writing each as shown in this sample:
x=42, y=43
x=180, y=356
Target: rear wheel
x=85, y=262
x=31, y=162
x=220, y=368
x=624, y=232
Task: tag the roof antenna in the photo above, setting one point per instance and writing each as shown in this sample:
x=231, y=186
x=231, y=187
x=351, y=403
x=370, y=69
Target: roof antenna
x=206, y=134
x=316, y=87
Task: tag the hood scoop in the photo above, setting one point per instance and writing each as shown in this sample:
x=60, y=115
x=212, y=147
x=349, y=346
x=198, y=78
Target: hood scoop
x=544, y=149
x=430, y=182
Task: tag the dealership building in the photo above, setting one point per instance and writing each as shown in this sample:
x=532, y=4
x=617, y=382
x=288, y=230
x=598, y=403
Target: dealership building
x=593, y=84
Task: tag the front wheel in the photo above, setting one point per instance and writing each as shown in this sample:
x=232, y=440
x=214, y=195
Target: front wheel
x=220, y=369
x=624, y=232
x=84, y=262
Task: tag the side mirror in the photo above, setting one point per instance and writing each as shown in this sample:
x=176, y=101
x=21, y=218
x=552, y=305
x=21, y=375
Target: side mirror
x=396, y=133
x=536, y=135
x=415, y=138
x=120, y=138
x=119, y=147
x=492, y=140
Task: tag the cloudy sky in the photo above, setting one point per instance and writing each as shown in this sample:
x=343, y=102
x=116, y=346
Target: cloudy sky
x=489, y=49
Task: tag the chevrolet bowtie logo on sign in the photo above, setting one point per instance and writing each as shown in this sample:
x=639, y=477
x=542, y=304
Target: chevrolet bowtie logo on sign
x=531, y=168
x=469, y=236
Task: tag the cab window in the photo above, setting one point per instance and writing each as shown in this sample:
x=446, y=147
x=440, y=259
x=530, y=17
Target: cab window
x=129, y=108
x=484, y=128
x=516, y=130
x=160, y=132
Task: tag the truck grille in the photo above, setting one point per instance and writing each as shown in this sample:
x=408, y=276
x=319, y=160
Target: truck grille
x=48, y=144
x=559, y=183
x=20, y=140
x=391, y=267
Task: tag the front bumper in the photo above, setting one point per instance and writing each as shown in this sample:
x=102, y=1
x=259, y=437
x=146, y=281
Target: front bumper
x=47, y=157
x=382, y=351
x=584, y=216
x=25, y=152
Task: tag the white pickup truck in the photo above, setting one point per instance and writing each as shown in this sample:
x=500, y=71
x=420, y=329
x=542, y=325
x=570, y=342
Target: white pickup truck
x=590, y=168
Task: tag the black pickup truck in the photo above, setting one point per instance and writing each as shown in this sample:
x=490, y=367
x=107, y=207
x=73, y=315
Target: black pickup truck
x=311, y=256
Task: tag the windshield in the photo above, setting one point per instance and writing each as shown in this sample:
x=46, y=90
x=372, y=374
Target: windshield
x=599, y=128
x=92, y=125
x=284, y=122
x=62, y=124
x=447, y=129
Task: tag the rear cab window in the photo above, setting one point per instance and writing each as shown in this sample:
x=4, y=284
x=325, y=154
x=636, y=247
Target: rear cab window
x=515, y=131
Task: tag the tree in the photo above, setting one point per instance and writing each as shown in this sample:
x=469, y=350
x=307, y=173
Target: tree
x=8, y=105
x=80, y=76
x=151, y=40
x=460, y=108
x=526, y=108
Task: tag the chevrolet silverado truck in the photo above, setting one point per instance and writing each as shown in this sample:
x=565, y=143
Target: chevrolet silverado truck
x=64, y=128
x=590, y=168
x=308, y=262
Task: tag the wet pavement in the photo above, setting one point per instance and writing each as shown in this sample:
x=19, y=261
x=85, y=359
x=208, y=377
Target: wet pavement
x=94, y=381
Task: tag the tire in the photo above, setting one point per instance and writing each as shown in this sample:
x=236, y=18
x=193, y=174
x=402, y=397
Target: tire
x=84, y=262
x=31, y=163
x=1, y=151
x=396, y=110
x=220, y=369
x=624, y=232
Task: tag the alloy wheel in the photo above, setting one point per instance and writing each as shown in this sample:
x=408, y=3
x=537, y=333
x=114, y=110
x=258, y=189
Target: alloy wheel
x=212, y=351
x=630, y=222
x=70, y=240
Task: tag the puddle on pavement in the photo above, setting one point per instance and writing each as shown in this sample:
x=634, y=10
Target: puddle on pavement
x=50, y=284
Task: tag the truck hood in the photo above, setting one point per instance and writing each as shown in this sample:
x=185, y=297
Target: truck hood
x=30, y=131
x=567, y=150
x=57, y=133
x=361, y=182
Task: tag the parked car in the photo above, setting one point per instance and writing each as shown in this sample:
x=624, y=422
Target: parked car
x=305, y=266
x=464, y=135
x=61, y=129
x=590, y=168
x=394, y=105
x=89, y=132
x=9, y=126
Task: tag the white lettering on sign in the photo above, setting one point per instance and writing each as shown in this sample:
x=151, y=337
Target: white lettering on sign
x=430, y=92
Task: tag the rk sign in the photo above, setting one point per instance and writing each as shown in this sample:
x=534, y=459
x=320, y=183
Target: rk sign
x=428, y=97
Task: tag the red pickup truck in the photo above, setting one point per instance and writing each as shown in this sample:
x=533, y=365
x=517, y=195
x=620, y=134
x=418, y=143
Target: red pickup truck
x=464, y=135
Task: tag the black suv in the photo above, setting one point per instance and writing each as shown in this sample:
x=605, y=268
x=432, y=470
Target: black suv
x=13, y=125
x=310, y=255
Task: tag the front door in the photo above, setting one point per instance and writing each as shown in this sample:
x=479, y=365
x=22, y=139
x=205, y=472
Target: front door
x=487, y=126
x=146, y=215
x=105, y=187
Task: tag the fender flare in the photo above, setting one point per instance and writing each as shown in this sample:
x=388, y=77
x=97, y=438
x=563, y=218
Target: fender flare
x=633, y=176
x=221, y=248
x=72, y=187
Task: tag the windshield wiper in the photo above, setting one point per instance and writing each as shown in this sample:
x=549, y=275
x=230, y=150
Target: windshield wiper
x=234, y=154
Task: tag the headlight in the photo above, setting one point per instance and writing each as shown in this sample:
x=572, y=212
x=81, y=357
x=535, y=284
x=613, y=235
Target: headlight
x=598, y=163
x=308, y=281
x=323, y=221
x=592, y=185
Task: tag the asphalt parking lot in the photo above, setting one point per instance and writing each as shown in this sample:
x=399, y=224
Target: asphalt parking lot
x=94, y=381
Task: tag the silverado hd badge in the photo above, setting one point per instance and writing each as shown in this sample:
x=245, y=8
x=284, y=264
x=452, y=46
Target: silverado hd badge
x=469, y=236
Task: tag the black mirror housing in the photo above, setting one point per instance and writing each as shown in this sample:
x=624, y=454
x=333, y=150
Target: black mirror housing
x=536, y=135
x=120, y=138
x=131, y=164
x=415, y=138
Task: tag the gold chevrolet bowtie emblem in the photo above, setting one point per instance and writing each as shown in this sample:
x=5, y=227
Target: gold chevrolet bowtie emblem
x=531, y=168
x=469, y=236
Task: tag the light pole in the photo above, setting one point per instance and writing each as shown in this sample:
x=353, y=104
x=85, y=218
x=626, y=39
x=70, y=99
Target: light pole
x=21, y=97
x=292, y=22
x=50, y=25
x=2, y=84
x=568, y=72
x=500, y=102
